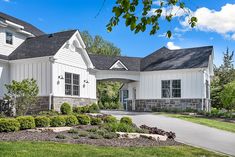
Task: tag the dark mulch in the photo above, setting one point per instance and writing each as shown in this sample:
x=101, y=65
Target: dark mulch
x=25, y=135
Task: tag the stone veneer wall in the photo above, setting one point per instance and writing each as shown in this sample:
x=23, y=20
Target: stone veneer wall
x=58, y=101
x=41, y=105
x=159, y=104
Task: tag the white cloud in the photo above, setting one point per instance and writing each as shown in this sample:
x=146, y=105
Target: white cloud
x=172, y=46
x=222, y=21
x=6, y=0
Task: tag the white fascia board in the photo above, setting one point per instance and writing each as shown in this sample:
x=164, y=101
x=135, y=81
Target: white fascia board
x=118, y=61
x=14, y=25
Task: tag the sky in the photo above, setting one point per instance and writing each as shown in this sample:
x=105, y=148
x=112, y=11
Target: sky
x=216, y=23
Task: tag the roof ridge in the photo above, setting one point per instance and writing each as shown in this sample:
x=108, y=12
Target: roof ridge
x=191, y=48
x=113, y=56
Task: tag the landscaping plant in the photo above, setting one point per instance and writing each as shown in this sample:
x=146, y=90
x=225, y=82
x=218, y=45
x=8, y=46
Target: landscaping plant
x=71, y=120
x=26, y=122
x=9, y=124
x=110, y=119
x=22, y=94
x=66, y=108
x=83, y=119
x=58, y=121
x=126, y=120
x=42, y=121
x=96, y=121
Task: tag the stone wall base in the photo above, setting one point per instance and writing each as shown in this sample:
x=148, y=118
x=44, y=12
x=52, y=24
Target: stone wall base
x=168, y=104
x=58, y=101
x=43, y=103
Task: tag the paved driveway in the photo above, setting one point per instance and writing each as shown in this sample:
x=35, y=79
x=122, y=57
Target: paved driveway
x=186, y=132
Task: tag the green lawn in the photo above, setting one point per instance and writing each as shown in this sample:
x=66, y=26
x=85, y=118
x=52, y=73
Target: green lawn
x=205, y=121
x=49, y=149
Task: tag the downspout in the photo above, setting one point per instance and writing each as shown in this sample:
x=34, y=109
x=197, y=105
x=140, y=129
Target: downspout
x=52, y=60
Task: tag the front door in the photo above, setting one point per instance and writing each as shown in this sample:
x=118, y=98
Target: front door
x=133, y=99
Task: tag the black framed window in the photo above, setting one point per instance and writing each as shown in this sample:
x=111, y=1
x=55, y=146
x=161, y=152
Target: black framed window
x=171, y=88
x=72, y=84
x=9, y=38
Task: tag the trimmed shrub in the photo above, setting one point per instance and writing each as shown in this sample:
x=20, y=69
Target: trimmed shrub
x=26, y=122
x=110, y=119
x=119, y=127
x=110, y=135
x=58, y=121
x=65, y=108
x=61, y=136
x=9, y=124
x=48, y=113
x=96, y=121
x=77, y=110
x=94, y=108
x=126, y=120
x=71, y=120
x=73, y=131
x=42, y=121
x=83, y=119
x=95, y=136
x=83, y=133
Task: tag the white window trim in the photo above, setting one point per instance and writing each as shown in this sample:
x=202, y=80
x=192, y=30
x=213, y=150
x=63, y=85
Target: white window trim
x=10, y=45
x=171, y=97
x=118, y=61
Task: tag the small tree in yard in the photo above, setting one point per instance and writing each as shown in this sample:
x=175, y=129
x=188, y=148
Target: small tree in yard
x=228, y=96
x=22, y=94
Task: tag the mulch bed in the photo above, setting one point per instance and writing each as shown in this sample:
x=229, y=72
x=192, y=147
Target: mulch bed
x=25, y=135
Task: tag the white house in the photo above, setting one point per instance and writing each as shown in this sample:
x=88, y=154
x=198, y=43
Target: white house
x=65, y=72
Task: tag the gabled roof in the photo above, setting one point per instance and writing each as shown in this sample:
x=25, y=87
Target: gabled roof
x=27, y=27
x=44, y=45
x=166, y=59
x=162, y=59
x=103, y=62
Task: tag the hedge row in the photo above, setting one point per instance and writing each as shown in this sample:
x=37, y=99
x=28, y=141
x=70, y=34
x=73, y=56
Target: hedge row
x=29, y=122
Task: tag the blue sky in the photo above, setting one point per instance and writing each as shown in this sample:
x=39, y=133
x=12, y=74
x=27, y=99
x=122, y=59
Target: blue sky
x=216, y=26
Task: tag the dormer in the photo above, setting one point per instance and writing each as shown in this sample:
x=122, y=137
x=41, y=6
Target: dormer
x=13, y=33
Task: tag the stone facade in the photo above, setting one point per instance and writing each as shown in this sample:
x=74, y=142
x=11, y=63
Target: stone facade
x=160, y=104
x=43, y=103
x=58, y=101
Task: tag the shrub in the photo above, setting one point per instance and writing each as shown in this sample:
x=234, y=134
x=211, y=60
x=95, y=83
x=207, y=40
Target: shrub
x=83, y=119
x=26, y=122
x=42, y=121
x=48, y=113
x=77, y=110
x=95, y=136
x=110, y=135
x=83, y=133
x=96, y=121
x=9, y=124
x=110, y=119
x=71, y=120
x=126, y=120
x=73, y=131
x=76, y=137
x=65, y=108
x=58, y=121
x=101, y=132
x=61, y=136
x=119, y=127
x=94, y=108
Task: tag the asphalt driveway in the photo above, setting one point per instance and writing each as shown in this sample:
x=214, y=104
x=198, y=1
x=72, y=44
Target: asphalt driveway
x=186, y=132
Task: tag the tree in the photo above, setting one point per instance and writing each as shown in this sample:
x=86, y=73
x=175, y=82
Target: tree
x=23, y=94
x=128, y=11
x=108, y=91
x=228, y=96
x=223, y=74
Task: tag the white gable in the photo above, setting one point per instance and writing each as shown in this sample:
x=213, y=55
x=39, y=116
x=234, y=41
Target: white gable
x=118, y=65
x=73, y=52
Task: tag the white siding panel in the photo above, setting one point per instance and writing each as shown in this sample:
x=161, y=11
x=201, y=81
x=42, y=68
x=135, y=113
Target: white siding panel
x=4, y=77
x=33, y=68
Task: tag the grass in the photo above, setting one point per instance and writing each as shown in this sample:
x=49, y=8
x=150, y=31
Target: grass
x=50, y=149
x=227, y=126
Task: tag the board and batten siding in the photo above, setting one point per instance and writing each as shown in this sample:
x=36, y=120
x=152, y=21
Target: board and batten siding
x=4, y=77
x=192, y=83
x=36, y=68
x=71, y=61
x=7, y=49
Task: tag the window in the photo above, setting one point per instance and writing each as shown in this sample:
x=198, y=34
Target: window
x=9, y=38
x=72, y=84
x=171, y=88
x=207, y=89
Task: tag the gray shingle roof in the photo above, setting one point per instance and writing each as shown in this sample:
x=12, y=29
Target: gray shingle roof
x=44, y=45
x=165, y=59
x=162, y=59
x=27, y=27
x=103, y=62
x=3, y=57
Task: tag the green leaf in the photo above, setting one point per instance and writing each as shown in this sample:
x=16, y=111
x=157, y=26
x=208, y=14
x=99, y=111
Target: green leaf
x=168, y=34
